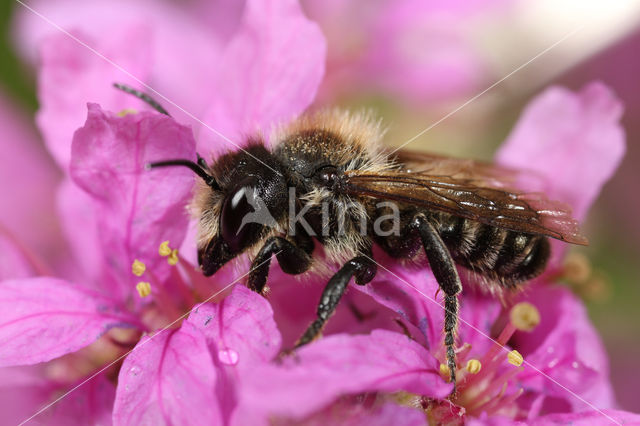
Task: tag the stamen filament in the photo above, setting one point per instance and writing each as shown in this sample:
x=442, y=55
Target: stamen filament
x=495, y=384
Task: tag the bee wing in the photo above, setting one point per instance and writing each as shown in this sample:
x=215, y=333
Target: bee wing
x=456, y=168
x=469, y=189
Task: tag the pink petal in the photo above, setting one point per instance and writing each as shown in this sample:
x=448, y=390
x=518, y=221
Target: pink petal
x=566, y=347
x=174, y=32
x=28, y=179
x=420, y=52
x=91, y=403
x=573, y=140
x=23, y=390
x=14, y=262
x=321, y=372
x=588, y=418
x=413, y=293
x=168, y=378
x=358, y=413
x=71, y=75
x=241, y=334
x=44, y=318
x=240, y=329
x=138, y=209
x=269, y=72
x=77, y=212
x=295, y=304
x=406, y=290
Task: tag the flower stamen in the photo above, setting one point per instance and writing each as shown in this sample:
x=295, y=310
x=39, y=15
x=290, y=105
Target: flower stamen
x=445, y=372
x=473, y=366
x=515, y=358
x=576, y=268
x=524, y=316
x=173, y=257
x=164, y=249
x=138, y=268
x=127, y=111
x=144, y=288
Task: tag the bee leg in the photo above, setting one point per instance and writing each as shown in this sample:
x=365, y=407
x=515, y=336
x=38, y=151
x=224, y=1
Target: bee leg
x=446, y=274
x=292, y=259
x=360, y=267
x=213, y=256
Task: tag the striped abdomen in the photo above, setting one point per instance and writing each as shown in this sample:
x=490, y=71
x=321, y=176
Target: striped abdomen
x=499, y=254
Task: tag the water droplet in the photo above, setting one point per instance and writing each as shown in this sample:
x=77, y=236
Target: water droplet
x=553, y=363
x=228, y=356
x=574, y=364
x=135, y=370
x=550, y=350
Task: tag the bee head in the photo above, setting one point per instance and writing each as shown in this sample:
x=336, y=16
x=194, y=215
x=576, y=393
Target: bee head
x=243, y=198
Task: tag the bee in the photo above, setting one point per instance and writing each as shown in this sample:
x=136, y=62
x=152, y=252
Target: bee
x=330, y=172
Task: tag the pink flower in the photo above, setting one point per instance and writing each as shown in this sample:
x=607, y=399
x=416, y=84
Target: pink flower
x=114, y=212
x=153, y=40
x=413, y=50
x=28, y=180
x=564, y=346
x=222, y=364
x=45, y=318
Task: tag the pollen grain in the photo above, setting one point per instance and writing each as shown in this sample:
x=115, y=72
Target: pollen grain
x=473, y=366
x=173, y=257
x=138, y=268
x=524, y=316
x=164, y=249
x=514, y=357
x=144, y=288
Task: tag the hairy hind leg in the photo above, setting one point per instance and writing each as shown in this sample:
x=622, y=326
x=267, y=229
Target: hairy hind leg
x=445, y=272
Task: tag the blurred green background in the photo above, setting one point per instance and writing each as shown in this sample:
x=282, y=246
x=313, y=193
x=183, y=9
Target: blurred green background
x=610, y=55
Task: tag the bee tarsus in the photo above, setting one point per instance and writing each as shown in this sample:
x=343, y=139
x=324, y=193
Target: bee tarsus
x=292, y=259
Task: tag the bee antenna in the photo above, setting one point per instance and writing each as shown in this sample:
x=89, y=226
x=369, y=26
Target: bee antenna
x=143, y=97
x=196, y=168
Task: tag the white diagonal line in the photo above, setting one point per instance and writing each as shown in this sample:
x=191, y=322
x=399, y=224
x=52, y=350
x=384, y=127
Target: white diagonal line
x=497, y=343
x=119, y=67
x=64, y=395
x=97, y=53
x=566, y=36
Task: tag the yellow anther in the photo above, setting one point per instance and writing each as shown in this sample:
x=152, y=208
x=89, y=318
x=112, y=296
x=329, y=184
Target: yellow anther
x=144, y=288
x=473, y=366
x=577, y=268
x=524, y=316
x=597, y=288
x=164, y=249
x=445, y=371
x=138, y=268
x=514, y=357
x=126, y=112
x=173, y=257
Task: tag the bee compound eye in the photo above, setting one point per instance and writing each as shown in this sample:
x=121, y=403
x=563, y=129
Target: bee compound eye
x=236, y=221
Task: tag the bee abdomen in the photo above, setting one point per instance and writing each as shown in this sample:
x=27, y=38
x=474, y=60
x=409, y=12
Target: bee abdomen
x=499, y=254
